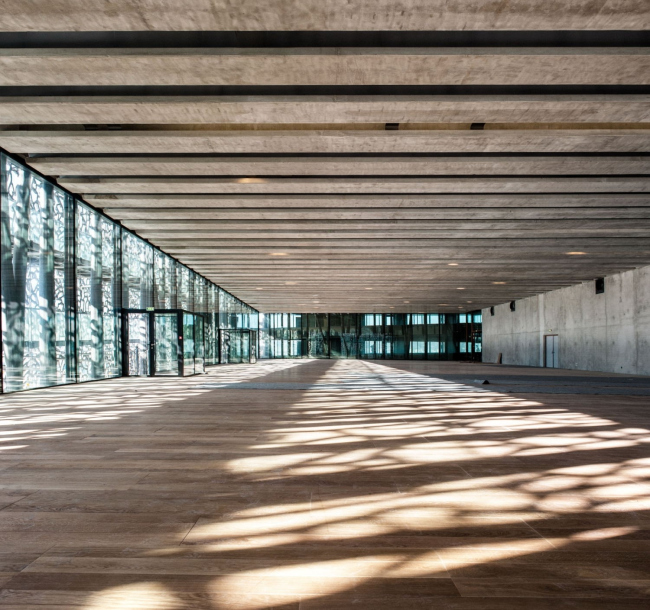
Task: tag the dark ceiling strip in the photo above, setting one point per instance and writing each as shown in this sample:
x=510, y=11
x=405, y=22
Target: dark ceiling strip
x=279, y=39
x=326, y=90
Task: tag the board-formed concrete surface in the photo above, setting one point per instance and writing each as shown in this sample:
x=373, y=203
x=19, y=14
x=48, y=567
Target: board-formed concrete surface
x=609, y=331
x=322, y=485
x=336, y=155
x=324, y=66
x=315, y=15
x=311, y=109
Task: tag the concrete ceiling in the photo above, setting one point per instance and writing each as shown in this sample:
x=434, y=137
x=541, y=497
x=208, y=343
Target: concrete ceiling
x=347, y=156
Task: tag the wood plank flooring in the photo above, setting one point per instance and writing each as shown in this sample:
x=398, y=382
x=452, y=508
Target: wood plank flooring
x=326, y=485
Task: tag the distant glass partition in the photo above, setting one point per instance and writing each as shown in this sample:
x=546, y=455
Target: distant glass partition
x=238, y=346
x=372, y=336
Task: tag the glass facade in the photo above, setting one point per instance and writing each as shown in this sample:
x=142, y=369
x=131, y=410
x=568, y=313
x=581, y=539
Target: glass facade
x=372, y=336
x=69, y=275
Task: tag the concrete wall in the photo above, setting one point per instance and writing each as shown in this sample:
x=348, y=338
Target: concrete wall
x=597, y=332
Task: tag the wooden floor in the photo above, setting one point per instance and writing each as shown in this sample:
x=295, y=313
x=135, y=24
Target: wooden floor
x=312, y=485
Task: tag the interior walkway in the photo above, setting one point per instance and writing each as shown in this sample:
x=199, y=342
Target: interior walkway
x=312, y=485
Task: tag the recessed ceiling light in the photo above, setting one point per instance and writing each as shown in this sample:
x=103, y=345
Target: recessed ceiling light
x=453, y=264
x=498, y=283
x=443, y=304
x=368, y=288
x=278, y=254
x=469, y=301
x=391, y=307
x=291, y=283
x=315, y=301
x=250, y=180
x=407, y=301
x=460, y=289
x=259, y=288
x=575, y=253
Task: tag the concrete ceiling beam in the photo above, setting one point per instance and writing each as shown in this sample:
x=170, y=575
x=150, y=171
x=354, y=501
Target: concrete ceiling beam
x=315, y=15
x=338, y=166
x=336, y=185
x=307, y=141
x=325, y=66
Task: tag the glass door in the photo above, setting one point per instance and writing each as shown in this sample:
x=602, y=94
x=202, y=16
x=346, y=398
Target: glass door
x=188, y=344
x=138, y=344
x=245, y=346
x=166, y=343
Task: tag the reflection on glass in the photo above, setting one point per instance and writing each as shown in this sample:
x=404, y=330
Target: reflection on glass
x=317, y=341
x=166, y=343
x=199, y=345
x=67, y=272
x=413, y=336
x=138, y=339
x=37, y=341
x=371, y=336
x=98, y=330
x=188, y=344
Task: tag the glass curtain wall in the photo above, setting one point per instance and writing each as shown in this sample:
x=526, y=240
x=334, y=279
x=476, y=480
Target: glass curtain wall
x=69, y=272
x=395, y=336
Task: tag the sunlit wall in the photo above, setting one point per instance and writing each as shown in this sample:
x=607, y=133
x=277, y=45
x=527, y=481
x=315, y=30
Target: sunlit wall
x=373, y=336
x=68, y=272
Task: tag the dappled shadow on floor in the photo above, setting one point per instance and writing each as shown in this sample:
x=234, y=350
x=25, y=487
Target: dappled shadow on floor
x=373, y=486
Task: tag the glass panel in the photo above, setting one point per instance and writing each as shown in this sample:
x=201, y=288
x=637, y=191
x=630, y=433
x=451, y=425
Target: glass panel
x=188, y=344
x=296, y=344
x=98, y=327
x=235, y=352
x=396, y=338
x=183, y=282
x=224, y=345
x=38, y=337
x=447, y=348
x=371, y=336
x=164, y=274
x=245, y=346
x=433, y=336
x=166, y=343
x=137, y=272
x=264, y=337
x=211, y=326
x=343, y=335
x=138, y=331
x=199, y=345
x=253, y=352
x=418, y=336
x=317, y=346
x=335, y=335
